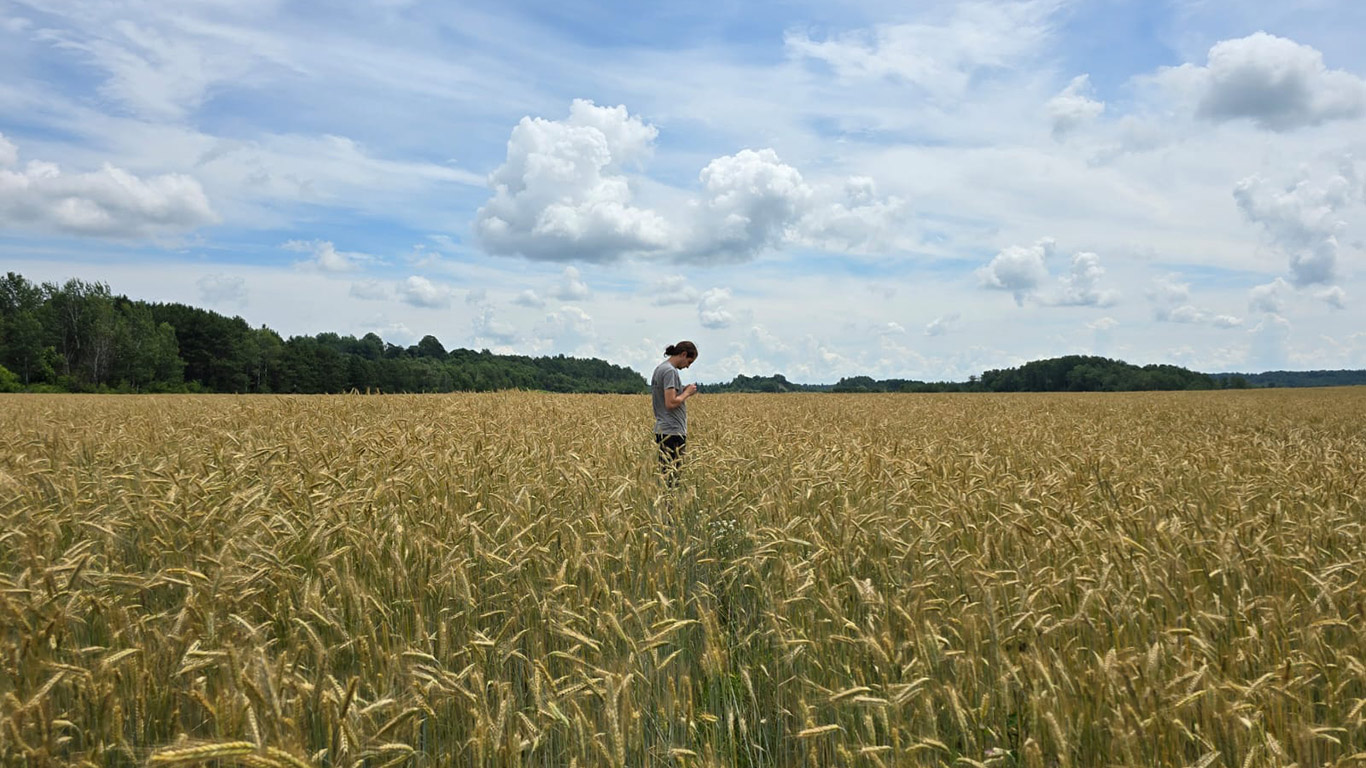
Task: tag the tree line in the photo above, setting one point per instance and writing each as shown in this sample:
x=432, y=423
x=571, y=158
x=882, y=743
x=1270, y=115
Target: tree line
x=1071, y=373
x=1341, y=378
x=767, y=384
x=80, y=337
x=1085, y=373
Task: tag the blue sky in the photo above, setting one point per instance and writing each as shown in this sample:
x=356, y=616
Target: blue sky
x=919, y=190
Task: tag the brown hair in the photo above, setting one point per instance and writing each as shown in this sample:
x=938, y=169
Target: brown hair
x=686, y=347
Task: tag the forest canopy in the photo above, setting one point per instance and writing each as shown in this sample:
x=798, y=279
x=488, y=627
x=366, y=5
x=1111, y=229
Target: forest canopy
x=80, y=337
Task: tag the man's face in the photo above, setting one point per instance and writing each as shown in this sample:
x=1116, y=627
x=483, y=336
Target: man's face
x=687, y=361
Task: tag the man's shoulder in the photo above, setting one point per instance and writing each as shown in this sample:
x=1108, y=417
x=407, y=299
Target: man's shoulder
x=665, y=375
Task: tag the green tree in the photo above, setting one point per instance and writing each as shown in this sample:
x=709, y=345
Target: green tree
x=23, y=349
x=431, y=347
x=1085, y=378
x=263, y=350
x=857, y=384
x=18, y=295
x=146, y=354
x=79, y=319
x=370, y=346
x=133, y=339
x=8, y=381
x=214, y=347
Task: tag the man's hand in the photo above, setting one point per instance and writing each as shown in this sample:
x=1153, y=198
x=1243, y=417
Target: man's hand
x=690, y=390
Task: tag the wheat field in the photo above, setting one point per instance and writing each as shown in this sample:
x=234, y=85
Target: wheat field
x=501, y=580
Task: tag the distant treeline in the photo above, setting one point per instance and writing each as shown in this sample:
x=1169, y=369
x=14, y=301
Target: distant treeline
x=79, y=337
x=1072, y=373
x=1084, y=373
x=774, y=383
x=1300, y=378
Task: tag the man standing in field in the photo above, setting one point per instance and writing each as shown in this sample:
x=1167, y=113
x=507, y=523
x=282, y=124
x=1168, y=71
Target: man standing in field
x=671, y=413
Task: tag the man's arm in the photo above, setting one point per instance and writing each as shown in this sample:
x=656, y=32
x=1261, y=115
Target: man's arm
x=673, y=399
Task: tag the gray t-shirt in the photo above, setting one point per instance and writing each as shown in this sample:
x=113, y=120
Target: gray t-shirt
x=668, y=422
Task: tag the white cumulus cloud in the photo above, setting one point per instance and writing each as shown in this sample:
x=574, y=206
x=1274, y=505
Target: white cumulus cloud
x=324, y=256
x=1268, y=298
x=1023, y=271
x=1080, y=287
x=751, y=201
x=1334, y=297
x=110, y=202
x=572, y=287
x=1171, y=302
x=713, y=310
x=529, y=298
x=1187, y=314
x=1017, y=269
x=1302, y=219
x=1276, y=83
x=562, y=192
x=857, y=220
x=421, y=292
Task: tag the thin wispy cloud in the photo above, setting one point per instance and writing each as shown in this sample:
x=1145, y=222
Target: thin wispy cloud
x=324, y=256
x=673, y=289
x=1073, y=107
x=529, y=298
x=220, y=291
x=572, y=287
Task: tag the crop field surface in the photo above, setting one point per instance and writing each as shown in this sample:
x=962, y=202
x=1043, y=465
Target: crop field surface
x=1155, y=579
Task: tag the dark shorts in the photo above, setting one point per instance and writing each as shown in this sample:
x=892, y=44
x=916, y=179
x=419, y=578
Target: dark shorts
x=671, y=449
